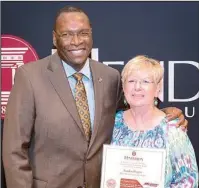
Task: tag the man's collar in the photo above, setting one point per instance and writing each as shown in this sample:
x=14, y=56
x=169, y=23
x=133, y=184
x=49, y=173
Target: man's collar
x=86, y=71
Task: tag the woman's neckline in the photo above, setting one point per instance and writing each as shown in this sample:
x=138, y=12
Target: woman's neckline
x=163, y=120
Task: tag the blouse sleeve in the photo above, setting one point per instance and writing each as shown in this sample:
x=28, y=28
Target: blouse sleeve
x=183, y=160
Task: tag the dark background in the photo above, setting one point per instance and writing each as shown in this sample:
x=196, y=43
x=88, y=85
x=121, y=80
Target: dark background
x=168, y=31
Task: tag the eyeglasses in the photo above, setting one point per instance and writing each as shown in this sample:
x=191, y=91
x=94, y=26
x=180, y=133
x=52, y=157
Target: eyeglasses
x=143, y=82
x=68, y=35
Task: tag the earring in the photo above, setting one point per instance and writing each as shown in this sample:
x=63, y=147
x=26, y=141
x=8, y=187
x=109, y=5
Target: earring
x=155, y=101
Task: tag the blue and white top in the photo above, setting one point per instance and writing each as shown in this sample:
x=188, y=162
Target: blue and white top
x=181, y=167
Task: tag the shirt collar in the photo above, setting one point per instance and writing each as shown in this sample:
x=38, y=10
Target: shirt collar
x=70, y=70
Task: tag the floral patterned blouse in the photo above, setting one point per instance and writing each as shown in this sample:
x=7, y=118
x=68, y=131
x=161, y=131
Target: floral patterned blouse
x=181, y=167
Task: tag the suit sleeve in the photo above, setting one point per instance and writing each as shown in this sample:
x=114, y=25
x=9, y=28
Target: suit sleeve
x=18, y=126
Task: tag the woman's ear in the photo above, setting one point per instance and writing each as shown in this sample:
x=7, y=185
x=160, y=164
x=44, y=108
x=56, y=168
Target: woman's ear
x=159, y=90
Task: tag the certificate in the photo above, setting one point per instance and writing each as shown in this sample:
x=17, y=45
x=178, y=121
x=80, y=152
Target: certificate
x=128, y=167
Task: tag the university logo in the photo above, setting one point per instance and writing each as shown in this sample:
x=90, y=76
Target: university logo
x=14, y=52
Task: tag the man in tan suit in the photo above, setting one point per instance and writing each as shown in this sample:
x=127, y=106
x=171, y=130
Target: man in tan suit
x=44, y=141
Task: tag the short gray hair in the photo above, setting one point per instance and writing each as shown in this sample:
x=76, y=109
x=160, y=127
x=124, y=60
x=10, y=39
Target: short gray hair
x=141, y=62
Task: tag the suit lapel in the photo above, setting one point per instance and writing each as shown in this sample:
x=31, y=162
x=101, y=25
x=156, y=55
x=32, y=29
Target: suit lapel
x=61, y=85
x=98, y=93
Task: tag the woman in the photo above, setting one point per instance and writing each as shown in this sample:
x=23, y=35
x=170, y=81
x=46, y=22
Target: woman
x=144, y=125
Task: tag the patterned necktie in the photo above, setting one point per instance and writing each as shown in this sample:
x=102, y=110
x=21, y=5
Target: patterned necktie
x=82, y=105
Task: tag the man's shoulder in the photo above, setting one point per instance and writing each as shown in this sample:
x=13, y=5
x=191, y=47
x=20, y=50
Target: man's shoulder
x=36, y=64
x=103, y=67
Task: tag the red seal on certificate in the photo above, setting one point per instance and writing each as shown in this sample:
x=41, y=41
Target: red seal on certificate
x=111, y=183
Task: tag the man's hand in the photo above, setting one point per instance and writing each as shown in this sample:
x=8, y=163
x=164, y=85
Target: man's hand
x=173, y=113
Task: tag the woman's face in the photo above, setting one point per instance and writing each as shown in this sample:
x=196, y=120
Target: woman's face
x=140, y=88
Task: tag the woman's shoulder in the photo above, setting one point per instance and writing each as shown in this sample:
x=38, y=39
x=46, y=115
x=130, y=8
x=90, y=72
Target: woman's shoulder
x=119, y=114
x=171, y=125
x=173, y=122
x=119, y=118
x=175, y=133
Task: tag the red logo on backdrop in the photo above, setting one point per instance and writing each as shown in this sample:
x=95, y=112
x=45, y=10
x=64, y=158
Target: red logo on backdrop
x=14, y=52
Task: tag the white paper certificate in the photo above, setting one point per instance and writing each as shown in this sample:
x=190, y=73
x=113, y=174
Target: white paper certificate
x=128, y=167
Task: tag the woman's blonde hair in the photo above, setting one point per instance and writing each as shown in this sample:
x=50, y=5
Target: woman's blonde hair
x=141, y=62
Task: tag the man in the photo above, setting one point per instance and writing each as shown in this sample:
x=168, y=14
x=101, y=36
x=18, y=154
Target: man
x=57, y=121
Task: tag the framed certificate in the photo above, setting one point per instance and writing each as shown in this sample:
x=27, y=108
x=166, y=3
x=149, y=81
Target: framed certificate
x=128, y=167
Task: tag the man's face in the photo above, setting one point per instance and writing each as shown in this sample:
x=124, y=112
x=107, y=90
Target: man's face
x=73, y=38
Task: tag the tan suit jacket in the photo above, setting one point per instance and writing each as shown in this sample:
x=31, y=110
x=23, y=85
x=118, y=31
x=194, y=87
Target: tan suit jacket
x=44, y=145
